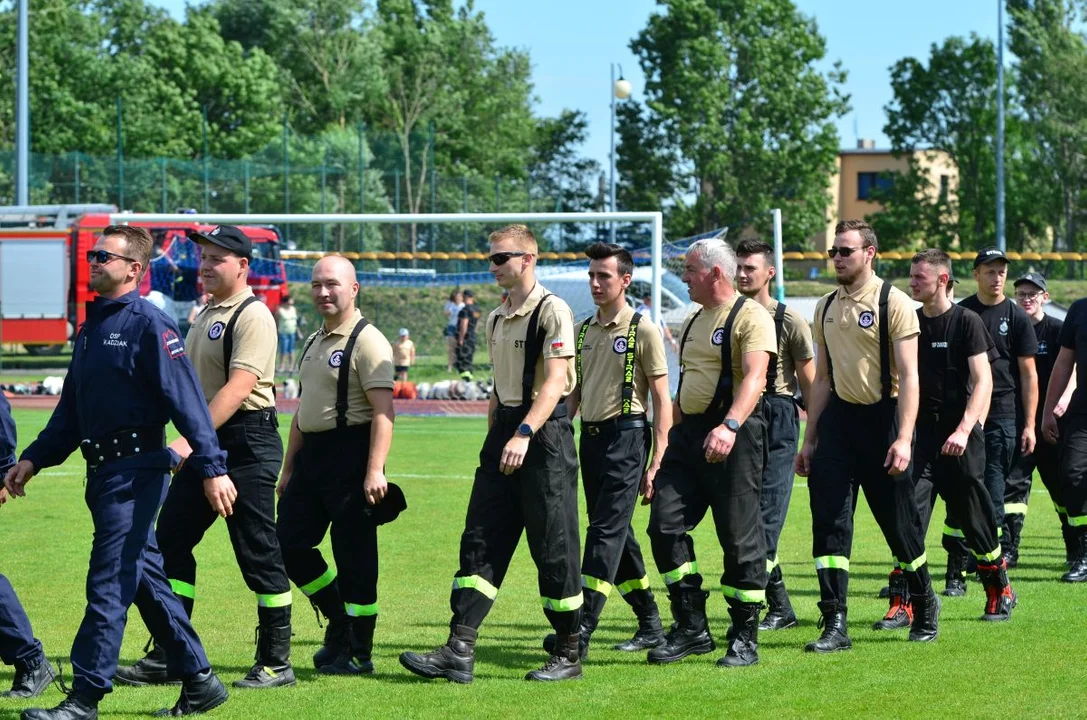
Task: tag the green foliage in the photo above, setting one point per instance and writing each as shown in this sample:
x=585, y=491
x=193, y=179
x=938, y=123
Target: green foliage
x=734, y=84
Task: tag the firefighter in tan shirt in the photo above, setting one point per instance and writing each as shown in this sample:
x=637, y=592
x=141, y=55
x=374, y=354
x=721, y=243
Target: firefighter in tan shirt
x=620, y=363
x=334, y=469
x=232, y=345
x=714, y=461
x=527, y=475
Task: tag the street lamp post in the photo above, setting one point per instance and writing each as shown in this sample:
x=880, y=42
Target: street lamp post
x=620, y=89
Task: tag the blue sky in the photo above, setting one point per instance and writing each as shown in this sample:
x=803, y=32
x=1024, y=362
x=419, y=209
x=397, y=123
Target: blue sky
x=573, y=42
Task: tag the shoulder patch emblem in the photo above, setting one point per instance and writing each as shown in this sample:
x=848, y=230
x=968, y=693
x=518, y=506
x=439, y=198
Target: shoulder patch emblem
x=620, y=345
x=718, y=336
x=866, y=319
x=171, y=343
x=216, y=330
x=335, y=359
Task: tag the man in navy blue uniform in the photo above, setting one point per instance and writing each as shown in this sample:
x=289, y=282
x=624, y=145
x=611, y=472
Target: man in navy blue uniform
x=129, y=376
x=18, y=646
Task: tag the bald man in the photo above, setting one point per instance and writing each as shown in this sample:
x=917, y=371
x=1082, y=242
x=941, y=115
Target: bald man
x=341, y=432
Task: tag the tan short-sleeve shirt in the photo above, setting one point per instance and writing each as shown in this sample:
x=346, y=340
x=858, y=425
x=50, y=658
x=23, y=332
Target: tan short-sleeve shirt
x=851, y=337
x=255, y=347
x=402, y=353
x=795, y=344
x=603, y=365
x=506, y=333
x=700, y=356
x=371, y=367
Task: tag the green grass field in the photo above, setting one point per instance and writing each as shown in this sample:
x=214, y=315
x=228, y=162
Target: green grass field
x=1032, y=666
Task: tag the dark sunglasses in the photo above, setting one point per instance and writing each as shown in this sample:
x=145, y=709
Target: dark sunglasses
x=843, y=251
x=102, y=257
x=504, y=257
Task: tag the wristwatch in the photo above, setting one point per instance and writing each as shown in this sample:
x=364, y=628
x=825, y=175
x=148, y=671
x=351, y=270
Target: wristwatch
x=524, y=429
x=731, y=425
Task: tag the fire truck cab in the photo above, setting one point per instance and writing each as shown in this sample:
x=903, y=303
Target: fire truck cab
x=44, y=274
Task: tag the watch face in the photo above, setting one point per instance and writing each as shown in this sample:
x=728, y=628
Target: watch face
x=525, y=429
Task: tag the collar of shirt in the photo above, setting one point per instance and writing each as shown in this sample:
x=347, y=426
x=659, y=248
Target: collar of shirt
x=625, y=314
x=858, y=294
x=345, y=327
x=527, y=306
x=232, y=300
x=103, y=305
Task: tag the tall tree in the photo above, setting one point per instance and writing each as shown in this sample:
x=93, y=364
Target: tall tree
x=646, y=161
x=1052, y=72
x=735, y=83
x=561, y=171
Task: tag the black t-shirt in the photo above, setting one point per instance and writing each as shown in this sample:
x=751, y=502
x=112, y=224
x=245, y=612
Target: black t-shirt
x=1013, y=334
x=945, y=345
x=1074, y=337
x=472, y=312
x=1048, y=332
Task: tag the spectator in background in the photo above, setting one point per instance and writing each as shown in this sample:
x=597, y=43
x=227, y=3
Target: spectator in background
x=287, y=324
x=466, y=335
x=403, y=355
x=646, y=309
x=452, y=311
x=197, y=306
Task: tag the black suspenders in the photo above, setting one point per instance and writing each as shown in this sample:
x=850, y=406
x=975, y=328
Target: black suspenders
x=884, y=341
x=772, y=370
x=627, y=391
x=343, y=376
x=723, y=393
x=534, y=340
x=228, y=334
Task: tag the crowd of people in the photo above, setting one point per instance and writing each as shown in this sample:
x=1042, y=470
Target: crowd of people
x=904, y=404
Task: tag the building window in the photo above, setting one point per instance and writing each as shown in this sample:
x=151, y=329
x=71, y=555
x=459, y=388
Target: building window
x=868, y=182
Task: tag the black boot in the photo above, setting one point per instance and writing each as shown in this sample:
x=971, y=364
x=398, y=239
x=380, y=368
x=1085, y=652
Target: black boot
x=835, y=635
x=199, y=694
x=1071, y=543
x=743, y=637
x=690, y=634
x=780, y=615
x=336, y=642
x=356, y=658
x=73, y=707
x=454, y=661
x=273, y=660
x=1077, y=571
x=955, y=579
x=31, y=678
x=1013, y=532
x=926, y=617
x=999, y=596
x=564, y=663
x=588, y=627
x=649, y=634
x=149, y=670
x=900, y=613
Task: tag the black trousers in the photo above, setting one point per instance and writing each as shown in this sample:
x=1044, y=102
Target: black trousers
x=687, y=486
x=853, y=443
x=1047, y=459
x=782, y=433
x=466, y=354
x=540, y=499
x=325, y=490
x=254, y=456
x=960, y=481
x=1074, y=471
x=612, y=464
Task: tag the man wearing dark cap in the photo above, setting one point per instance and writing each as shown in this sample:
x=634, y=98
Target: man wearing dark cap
x=1032, y=294
x=466, y=334
x=232, y=345
x=1009, y=429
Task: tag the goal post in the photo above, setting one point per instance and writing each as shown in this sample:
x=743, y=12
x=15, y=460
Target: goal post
x=654, y=219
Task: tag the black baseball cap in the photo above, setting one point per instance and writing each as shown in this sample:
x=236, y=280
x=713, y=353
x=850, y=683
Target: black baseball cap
x=988, y=255
x=469, y=293
x=389, y=508
x=1034, y=278
x=227, y=237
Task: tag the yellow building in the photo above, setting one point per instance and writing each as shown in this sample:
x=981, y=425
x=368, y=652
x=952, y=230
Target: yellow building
x=860, y=171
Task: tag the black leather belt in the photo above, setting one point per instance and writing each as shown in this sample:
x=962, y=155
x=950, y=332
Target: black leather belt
x=618, y=422
x=122, y=444
x=251, y=417
x=518, y=412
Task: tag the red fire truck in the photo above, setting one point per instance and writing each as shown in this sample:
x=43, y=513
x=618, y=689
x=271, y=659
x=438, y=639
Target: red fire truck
x=43, y=272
